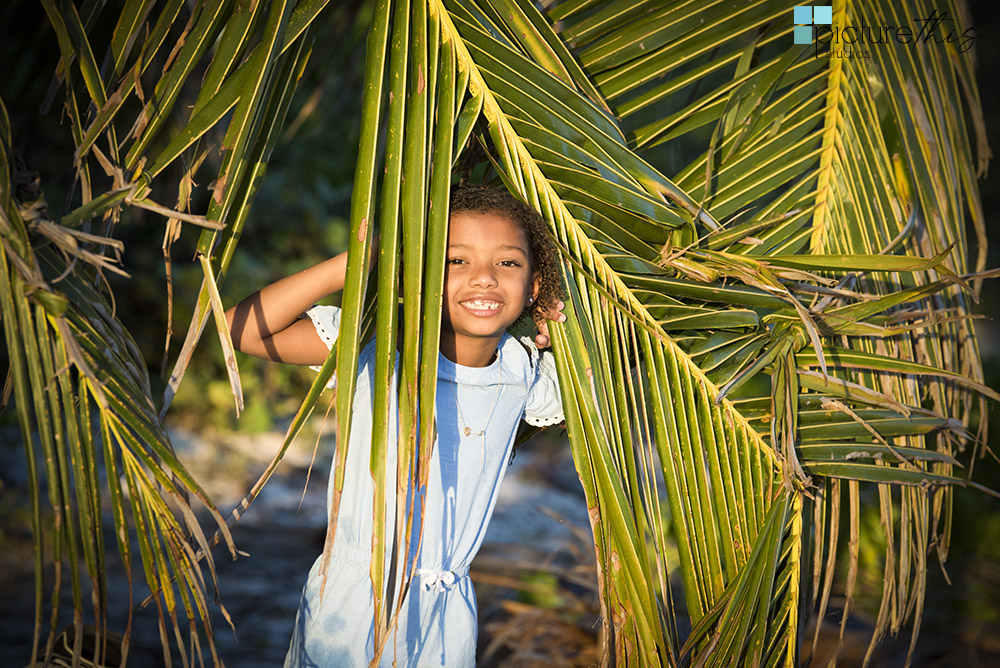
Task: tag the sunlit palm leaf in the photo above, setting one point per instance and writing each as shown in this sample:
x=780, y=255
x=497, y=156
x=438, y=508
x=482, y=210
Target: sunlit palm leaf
x=68, y=353
x=737, y=187
x=73, y=363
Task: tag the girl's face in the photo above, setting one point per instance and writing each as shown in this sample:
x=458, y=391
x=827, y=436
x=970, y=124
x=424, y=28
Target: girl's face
x=488, y=280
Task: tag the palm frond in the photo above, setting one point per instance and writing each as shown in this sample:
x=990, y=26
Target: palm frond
x=78, y=378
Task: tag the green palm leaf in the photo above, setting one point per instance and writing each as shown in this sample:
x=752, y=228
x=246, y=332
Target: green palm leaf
x=77, y=376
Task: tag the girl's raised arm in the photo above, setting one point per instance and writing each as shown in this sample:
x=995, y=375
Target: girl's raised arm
x=267, y=324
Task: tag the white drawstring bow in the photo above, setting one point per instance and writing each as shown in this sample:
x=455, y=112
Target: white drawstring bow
x=431, y=579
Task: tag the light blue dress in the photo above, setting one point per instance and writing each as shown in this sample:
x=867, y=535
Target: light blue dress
x=478, y=410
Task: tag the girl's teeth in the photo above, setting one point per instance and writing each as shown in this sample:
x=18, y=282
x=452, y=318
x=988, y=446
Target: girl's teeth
x=477, y=304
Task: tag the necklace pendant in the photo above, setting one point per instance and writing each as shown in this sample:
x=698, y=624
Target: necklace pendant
x=468, y=432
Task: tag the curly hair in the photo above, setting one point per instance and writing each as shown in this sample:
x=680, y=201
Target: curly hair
x=543, y=256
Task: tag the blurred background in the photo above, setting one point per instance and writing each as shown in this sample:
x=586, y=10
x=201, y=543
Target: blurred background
x=535, y=576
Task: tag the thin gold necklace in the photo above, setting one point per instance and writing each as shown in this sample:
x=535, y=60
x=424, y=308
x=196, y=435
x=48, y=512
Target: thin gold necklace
x=466, y=429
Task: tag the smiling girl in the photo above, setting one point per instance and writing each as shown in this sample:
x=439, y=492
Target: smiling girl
x=501, y=265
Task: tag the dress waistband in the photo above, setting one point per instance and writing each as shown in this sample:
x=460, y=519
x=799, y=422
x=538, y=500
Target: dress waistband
x=429, y=578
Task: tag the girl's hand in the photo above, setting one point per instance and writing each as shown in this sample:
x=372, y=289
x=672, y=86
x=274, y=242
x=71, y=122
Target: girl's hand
x=554, y=313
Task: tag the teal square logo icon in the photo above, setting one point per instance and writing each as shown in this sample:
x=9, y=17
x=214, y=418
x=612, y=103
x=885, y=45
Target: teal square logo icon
x=807, y=16
x=803, y=14
x=803, y=35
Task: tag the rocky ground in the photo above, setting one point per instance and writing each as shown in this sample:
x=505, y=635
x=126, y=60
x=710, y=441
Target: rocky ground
x=534, y=576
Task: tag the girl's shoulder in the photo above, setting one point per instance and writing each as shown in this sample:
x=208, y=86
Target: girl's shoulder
x=521, y=355
x=326, y=320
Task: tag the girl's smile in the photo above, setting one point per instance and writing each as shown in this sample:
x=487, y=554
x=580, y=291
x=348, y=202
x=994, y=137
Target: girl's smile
x=488, y=280
x=482, y=307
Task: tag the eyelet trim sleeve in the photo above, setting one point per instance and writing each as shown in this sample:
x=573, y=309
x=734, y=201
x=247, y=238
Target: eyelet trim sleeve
x=544, y=406
x=326, y=320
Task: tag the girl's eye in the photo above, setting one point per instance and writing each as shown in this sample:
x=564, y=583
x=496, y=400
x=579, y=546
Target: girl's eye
x=510, y=263
x=455, y=260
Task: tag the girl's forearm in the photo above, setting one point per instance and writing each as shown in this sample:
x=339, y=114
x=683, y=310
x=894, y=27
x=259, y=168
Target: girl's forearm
x=258, y=318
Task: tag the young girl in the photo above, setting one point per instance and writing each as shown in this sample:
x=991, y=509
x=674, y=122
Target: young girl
x=500, y=265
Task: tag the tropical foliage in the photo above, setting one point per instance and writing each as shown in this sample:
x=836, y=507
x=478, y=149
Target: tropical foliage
x=767, y=258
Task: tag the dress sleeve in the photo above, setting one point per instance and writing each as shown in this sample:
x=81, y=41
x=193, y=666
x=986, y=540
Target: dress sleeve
x=326, y=320
x=544, y=406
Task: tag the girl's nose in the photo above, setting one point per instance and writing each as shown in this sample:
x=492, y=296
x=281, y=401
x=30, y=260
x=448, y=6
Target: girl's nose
x=484, y=276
